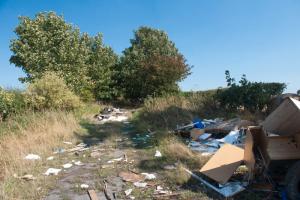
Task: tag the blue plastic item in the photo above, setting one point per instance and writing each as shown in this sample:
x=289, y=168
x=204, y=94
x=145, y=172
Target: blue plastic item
x=198, y=123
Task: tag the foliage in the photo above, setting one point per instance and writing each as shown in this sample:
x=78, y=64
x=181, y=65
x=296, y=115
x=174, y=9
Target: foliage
x=151, y=66
x=11, y=102
x=253, y=96
x=102, y=69
x=47, y=43
x=51, y=92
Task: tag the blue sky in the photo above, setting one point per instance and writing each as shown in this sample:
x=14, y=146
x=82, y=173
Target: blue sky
x=259, y=38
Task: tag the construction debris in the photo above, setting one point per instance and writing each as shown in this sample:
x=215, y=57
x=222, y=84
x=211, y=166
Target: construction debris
x=149, y=176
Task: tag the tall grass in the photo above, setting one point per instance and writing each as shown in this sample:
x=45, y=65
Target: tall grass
x=36, y=133
x=168, y=111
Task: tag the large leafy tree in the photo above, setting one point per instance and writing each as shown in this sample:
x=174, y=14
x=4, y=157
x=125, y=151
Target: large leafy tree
x=48, y=43
x=152, y=65
x=102, y=69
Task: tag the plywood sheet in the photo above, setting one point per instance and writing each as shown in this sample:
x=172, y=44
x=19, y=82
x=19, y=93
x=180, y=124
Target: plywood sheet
x=224, y=163
x=284, y=120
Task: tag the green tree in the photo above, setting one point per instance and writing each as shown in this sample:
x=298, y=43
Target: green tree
x=47, y=43
x=102, y=69
x=152, y=65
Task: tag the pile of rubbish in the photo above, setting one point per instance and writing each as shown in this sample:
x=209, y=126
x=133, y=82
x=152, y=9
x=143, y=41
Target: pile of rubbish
x=243, y=155
x=110, y=114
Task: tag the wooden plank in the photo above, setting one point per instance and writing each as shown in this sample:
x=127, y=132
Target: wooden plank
x=284, y=120
x=223, y=164
x=92, y=194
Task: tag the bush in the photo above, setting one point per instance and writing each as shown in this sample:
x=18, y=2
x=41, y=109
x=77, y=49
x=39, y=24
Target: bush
x=51, y=92
x=252, y=96
x=11, y=101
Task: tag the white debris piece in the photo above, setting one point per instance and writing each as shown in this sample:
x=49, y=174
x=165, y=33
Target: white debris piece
x=78, y=163
x=115, y=160
x=52, y=171
x=140, y=184
x=84, y=186
x=204, y=136
x=68, y=143
x=157, y=154
x=128, y=192
x=67, y=166
x=32, y=157
x=50, y=158
x=132, y=197
x=231, y=138
x=149, y=176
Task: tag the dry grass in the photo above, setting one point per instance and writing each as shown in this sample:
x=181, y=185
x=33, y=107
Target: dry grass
x=173, y=149
x=40, y=135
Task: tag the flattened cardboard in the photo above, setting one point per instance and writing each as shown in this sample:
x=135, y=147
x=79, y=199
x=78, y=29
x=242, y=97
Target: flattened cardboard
x=223, y=164
x=284, y=120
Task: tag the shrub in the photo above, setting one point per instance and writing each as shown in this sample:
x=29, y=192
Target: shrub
x=11, y=101
x=51, y=92
x=252, y=96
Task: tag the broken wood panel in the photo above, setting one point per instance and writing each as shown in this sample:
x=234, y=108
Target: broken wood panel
x=249, y=156
x=92, y=194
x=260, y=142
x=284, y=120
x=223, y=164
x=283, y=148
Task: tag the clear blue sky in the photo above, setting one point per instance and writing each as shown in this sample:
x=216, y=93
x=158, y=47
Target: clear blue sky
x=260, y=38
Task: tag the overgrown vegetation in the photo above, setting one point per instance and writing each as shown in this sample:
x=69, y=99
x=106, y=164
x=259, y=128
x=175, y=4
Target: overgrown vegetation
x=251, y=96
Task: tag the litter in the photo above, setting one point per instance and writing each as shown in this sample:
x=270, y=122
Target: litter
x=84, y=186
x=140, y=184
x=128, y=192
x=131, y=177
x=149, y=176
x=67, y=166
x=169, y=167
x=95, y=154
x=50, y=158
x=78, y=163
x=32, y=157
x=159, y=190
x=52, y=171
x=69, y=143
x=204, y=136
x=231, y=138
x=157, y=154
x=228, y=190
x=116, y=160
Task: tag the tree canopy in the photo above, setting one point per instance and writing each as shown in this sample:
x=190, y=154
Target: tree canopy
x=152, y=65
x=48, y=43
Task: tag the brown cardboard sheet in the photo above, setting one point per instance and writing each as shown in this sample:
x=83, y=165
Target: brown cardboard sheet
x=223, y=164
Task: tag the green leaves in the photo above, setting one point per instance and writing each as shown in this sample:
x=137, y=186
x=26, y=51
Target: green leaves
x=47, y=43
x=151, y=66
